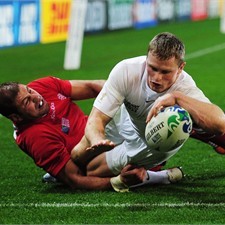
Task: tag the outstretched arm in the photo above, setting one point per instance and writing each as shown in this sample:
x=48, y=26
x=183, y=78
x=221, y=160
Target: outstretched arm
x=93, y=142
x=206, y=115
x=83, y=153
x=95, y=130
x=74, y=177
x=85, y=89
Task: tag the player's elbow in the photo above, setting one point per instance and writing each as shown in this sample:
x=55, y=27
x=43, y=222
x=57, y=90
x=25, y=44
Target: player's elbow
x=71, y=182
x=220, y=122
x=214, y=124
x=221, y=127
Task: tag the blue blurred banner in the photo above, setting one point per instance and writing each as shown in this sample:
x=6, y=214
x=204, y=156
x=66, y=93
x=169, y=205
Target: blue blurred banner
x=28, y=22
x=33, y=21
x=7, y=23
x=144, y=13
x=19, y=22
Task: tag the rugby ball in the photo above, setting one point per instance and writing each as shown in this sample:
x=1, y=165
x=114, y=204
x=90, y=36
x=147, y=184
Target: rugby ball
x=169, y=129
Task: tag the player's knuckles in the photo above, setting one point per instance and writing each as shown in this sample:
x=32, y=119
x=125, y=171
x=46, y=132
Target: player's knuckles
x=127, y=168
x=141, y=174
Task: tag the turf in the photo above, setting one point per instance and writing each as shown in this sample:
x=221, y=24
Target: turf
x=198, y=199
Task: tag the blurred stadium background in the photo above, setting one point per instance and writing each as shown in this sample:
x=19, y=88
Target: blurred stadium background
x=33, y=36
x=45, y=21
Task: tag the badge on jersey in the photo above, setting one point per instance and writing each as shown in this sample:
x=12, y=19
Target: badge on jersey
x=65, y=125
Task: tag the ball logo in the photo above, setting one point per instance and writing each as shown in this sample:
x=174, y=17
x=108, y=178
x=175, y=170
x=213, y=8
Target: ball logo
x=175, y=120
x=169, y=129
x=155, y=129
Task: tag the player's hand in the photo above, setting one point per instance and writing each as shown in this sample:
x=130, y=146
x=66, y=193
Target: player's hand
x=161, y=102
x=101, y=146
x=132, y=175
x=82, y=154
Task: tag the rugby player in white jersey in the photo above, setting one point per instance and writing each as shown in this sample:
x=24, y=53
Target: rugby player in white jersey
x=136, y=89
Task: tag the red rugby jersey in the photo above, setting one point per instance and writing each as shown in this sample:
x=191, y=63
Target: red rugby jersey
x=49, y=140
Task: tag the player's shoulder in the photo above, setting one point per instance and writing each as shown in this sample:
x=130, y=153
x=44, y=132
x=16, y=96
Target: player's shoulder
x=135, y=65
x=128, y=70
x=184, y=83
x=50, y=85
x=135, y=60
x=186, y=78
x=44, y=81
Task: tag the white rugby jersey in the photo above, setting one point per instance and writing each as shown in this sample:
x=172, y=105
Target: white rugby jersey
x=127, y=83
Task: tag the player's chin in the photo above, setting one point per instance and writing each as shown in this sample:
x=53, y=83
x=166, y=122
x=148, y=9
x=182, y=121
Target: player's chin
x=44, y=110
x=157, y=87
x=41, y=113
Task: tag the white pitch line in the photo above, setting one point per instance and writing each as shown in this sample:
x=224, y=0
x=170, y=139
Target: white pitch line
x=107, y=205
x=205, y=51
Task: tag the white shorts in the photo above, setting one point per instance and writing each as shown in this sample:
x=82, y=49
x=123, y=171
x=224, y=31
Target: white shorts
x=130, y=147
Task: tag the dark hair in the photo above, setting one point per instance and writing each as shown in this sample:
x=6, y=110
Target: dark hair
x=8, y=94
x=165, y=46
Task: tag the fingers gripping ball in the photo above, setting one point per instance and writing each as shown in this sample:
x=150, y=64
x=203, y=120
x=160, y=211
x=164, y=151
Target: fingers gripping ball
x=169, y=129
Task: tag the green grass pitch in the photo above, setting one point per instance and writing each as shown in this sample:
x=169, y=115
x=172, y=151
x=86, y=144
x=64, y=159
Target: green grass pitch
x=198, y=199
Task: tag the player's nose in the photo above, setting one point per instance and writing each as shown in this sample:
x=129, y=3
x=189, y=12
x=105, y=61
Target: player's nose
x=35, y=98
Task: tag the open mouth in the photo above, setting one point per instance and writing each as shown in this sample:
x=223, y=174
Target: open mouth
x=43, y=107
x=156, y=84
x=41, y=103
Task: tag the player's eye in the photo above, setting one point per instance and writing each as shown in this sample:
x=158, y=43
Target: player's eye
x=165, y=71
x=26, y=101
x=153, y=68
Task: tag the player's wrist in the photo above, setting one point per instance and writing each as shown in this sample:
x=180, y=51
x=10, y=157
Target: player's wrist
x=118, y=185
x=177, y=95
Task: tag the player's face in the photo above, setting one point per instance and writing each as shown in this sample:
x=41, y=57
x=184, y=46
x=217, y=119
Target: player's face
x=30, y=103
x=162, y=73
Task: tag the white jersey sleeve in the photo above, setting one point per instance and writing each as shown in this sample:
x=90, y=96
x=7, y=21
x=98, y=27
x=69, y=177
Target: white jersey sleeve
x=119, y=84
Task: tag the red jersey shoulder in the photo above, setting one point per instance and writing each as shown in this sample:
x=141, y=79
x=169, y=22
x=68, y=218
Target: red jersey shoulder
x=52, y=85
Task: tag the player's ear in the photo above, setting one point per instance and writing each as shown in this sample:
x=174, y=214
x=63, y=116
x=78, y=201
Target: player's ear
x=181, y=67
x=15, y=118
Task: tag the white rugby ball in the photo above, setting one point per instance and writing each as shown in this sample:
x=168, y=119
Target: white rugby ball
x=169, y=129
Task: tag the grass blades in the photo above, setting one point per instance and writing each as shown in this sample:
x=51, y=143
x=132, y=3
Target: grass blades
x=198, y=199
